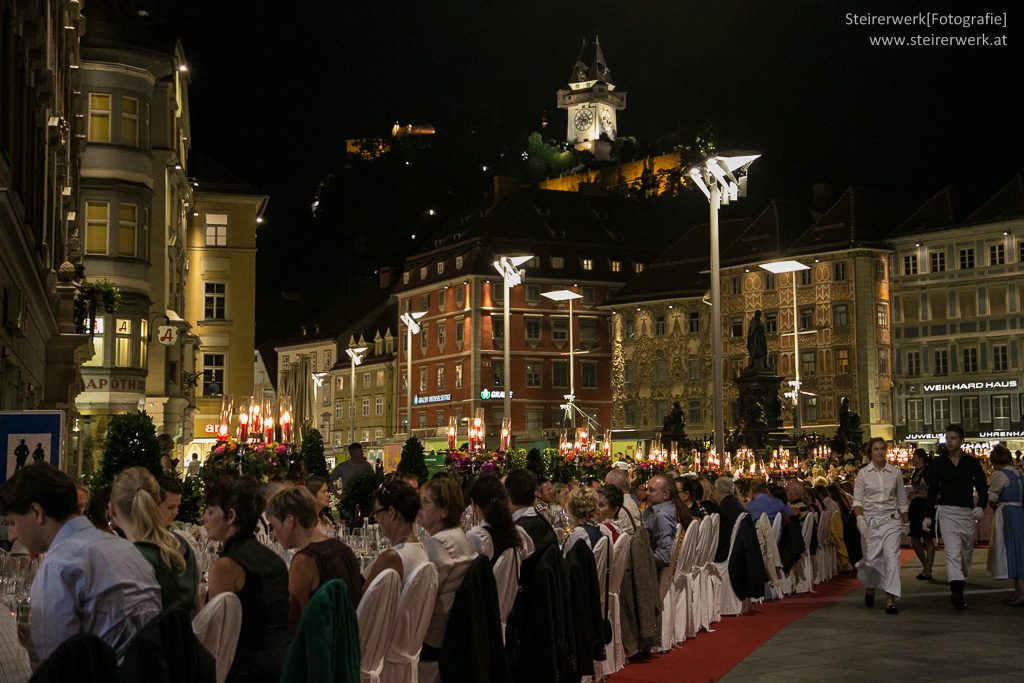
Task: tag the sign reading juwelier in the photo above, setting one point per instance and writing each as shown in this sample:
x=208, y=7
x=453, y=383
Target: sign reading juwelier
x=28, y=437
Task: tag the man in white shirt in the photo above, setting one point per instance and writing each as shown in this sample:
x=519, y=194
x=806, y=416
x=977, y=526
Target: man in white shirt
x=880, y=503
x=629, y=514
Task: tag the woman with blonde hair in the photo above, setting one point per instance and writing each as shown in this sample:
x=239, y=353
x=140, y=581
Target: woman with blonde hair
x=134, y=509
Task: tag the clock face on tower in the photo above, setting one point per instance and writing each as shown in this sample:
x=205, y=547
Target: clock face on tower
x=584, y=119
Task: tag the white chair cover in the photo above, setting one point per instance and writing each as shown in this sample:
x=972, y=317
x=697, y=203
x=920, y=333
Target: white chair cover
x=786, y=579
x=821, y=558
x=506, y=579
x=217, y=626
x=668, y=601
x=803, y=570
x=711, y=582
x=731, y=604
x=415, y=606
x=681, y=579
x=376, y=615
x=616, y=658
x=577, y=534
x=601, y=562
x=704, y=611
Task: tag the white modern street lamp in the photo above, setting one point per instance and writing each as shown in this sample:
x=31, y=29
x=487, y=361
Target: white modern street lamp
x=355, y=353
x=792, y=267
x=722, y=178
x=508, y=267
x=570, y=296
x=411, y=327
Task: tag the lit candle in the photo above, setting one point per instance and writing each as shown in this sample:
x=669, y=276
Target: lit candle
x=286, y=426
x=453, y=428
x=243, y=426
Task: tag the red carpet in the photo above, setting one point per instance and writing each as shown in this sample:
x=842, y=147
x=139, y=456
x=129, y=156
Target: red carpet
x=710, y=656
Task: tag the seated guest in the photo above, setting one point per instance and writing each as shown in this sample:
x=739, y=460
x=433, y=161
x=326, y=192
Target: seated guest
x=609, y=505
x=497, y=532
x=263, y=532
x=763, y=502
x=83, y=497
x=522, y=486
x=629, y=512
x=395, y=506
x=664, y=511
x=292, y=515
x=99, y=506
x=254, y=573
x=135, y=511
x=170, y=499
x=743, y=492
x=709, y=501
x=732, y=508
x=795, y=494
x=440, y=509
x=583, y=517
x=88, y=581
x=689, y=491
x=322, y=495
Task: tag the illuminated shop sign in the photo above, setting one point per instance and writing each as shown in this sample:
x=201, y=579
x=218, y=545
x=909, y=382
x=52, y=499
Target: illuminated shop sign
x=1015, y=434
x=971, y=386
x=433, y=398
x=487, y=394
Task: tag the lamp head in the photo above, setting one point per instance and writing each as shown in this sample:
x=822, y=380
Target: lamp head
x=784, y=266
x=561, y=295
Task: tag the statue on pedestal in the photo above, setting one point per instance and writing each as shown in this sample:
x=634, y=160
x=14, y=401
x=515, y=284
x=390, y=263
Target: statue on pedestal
x=673, y=427
x=757, y=344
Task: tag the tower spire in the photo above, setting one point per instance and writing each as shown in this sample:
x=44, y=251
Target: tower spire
x=600, y=71
x=579, y=70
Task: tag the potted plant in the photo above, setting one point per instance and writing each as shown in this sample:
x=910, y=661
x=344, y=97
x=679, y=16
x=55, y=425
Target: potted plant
x=103, y=291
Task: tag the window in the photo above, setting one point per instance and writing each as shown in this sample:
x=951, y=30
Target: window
x=213, y=374
x=771, y=322
x=339, y=409
x=405, y=277
x=498, y=292
x=366, y=407
x=440, y=377
x=661, y=371
x=1000, y=356
x=937, y=304
x=533, y=293
x=130, y=121
x=628, y=373
x=883, y=361
x=367, y=377
x=940, y=412
x=497, y=327
x=693, y=368
x=122, y=343
x=879, y=271
x=806, y=317
x=312, y=361
x=588, y=375
x=808, y=362
x=967, y=300
x=442, y=333
x=559, y=330
x=588, y=332
x=533, y=370
x=941, y=362
x=913, y=363
x=378, y=433
x=938, y=259
x=216, y=230
x=840, y=316
x=1020, y=251
x=805, y=276
x=659, y=326
x=884, y=412
x=810, y=409
x=589, y=296
x=970, y=412
x=997, y=301
x=839, y=271
x=97, y=217
x=1001, y=411
x=423, y=379
x=915, y=414
x=735, y=285
x=558, y=262
x=769, y=280
x=378, y=405
x=339, y=383
x=458, y=262
x=638, y=267
x=532, y=329
x=588, y=264
x=910, y=264
x=882, y=315
x=458, y=375
x=736, y=327
x=379, y=377
x=143, y=343
x=693, y=415
x=559, y=374
x=996, y=254
x=693, y=322
x=498, y=372
x=534, y=419
x=966, y=259
x=325, y=393
x=616, y=266
x=442, y=298
x=424, y=336
x=842, y=361
x=215, y=300
x=440, y=267
x=99, y=118
x=970, y=360
x=460, y=330
x=629, y=413
x=460, y=296
x=628, y=328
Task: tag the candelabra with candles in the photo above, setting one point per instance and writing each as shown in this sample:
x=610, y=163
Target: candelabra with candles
x=606, y=445
x=453, y=432
x=506, y=433
x=247, y=438
x=477, y=431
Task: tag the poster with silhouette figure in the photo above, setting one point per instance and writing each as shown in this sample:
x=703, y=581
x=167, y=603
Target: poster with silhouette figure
x=30, y=437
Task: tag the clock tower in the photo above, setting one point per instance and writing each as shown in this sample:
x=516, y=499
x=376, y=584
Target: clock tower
x=592, y=101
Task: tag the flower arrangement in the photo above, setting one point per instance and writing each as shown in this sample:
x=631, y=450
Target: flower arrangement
x=261, y=461
x=104, y=291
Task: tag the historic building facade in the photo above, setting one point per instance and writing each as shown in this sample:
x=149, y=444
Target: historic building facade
x=957, y=288
x=365, y=410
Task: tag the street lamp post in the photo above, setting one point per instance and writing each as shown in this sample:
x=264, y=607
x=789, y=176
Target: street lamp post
x=568, y=295
x=355, y=354
x=722, y=178
x=411, y=327
x=508, y=267
x=792, y=267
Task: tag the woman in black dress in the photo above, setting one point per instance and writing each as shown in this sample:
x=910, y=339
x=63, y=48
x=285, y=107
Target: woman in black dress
x=922, y=540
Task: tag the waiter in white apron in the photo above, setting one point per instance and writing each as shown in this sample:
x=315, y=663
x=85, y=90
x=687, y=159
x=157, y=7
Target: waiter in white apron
x=952, y=480
x=880, y=503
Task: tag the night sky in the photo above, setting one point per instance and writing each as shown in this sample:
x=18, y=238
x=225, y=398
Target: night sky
x=277, y=87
